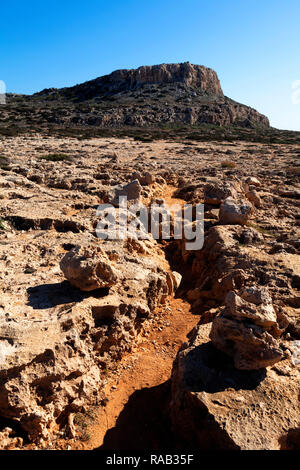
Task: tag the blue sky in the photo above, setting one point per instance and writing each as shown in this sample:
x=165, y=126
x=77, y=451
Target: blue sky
x=254, y=45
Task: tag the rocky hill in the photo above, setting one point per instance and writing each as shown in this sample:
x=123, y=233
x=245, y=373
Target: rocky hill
x=159, y=95
x=194, y=76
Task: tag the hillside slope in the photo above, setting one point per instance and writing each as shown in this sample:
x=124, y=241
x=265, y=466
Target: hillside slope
x=159, y=95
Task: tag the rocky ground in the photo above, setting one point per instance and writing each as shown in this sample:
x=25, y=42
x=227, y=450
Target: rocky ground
x=80, y=317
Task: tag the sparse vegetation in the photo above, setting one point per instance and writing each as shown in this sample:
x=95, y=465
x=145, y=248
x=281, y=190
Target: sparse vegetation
x=85, y=436
x=4, y=163
x=55, y=157
x=2, y=226
x=82, y=421
x=262, y=230
x=228, y=164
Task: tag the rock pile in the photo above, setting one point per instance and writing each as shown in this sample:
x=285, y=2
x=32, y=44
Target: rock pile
x=132, y=191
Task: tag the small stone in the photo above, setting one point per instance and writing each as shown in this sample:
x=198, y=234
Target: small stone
x=235, y=212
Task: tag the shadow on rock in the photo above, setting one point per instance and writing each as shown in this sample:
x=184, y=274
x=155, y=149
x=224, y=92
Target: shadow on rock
x=51, y=295
x=209, y=370
x=290, y=441
x=144, y=422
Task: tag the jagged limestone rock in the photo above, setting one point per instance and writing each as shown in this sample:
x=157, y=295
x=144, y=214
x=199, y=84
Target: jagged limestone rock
x=234, y=212
x=245, y=330
x=88, y=268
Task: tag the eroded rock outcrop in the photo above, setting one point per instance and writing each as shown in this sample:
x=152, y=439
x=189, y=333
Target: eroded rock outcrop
x=228, y=393
x=216, y=193
x=54, y=351
x=59, y=343
x=191, y=75
x=235, y=212
x=245, y=329
x=218, y=407
x=88, y=268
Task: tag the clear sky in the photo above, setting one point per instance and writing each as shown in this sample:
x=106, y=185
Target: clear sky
x=254, y=45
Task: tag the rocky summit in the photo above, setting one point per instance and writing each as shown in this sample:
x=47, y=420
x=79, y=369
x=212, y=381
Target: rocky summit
x=159, y=95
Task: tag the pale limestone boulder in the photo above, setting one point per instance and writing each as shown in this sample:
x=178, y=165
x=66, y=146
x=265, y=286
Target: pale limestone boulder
x=244, y=330
x=131, y=190
x=253, y=197
x=215, y=406
x=8, y=441
x=251, y=180
x=88, y=268
x=235, y=212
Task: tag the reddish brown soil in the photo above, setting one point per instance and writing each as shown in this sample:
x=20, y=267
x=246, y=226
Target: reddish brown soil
x=135, y=416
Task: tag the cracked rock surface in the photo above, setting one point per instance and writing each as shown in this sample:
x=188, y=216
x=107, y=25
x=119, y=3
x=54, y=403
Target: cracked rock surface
x=72, y=305
x=244, y=331
x=217, y=406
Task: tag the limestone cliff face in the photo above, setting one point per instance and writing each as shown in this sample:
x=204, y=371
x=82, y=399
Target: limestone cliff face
x=191, y=75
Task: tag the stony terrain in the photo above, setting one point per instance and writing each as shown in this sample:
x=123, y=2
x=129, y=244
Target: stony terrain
x=73, y=308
